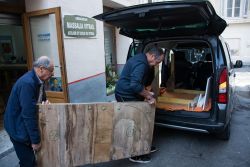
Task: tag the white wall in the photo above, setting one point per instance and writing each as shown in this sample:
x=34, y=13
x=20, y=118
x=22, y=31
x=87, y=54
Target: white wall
x=30, y=5
x=122, y=44
x=216, y=5
x=84, y=56
x=119, y=3
x=237, y=34
x=241, y=32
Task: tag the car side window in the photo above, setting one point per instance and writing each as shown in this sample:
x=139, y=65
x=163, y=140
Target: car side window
x=227, y=54
x=134, y=48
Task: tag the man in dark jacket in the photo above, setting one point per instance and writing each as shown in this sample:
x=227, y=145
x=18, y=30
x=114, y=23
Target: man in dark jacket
x=21, y=117
x=135, y=77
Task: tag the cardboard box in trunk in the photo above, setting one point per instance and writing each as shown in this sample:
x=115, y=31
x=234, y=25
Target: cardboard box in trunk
x=78, y=134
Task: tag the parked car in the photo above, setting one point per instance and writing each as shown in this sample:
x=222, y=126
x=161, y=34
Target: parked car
x=197, y=72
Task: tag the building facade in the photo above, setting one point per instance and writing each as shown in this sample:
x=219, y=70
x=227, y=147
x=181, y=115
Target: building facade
x=237, y=34
x=87, y=53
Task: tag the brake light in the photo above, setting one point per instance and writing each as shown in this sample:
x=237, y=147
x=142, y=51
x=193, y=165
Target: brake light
x=223, y=84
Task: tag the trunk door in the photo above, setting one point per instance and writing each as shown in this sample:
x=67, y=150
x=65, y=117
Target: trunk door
x=166, y=19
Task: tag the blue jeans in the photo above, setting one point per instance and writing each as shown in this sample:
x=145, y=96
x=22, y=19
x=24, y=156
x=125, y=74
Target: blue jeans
x=24, y=153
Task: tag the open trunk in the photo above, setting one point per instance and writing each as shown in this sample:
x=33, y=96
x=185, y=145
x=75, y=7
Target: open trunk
x=186, y=76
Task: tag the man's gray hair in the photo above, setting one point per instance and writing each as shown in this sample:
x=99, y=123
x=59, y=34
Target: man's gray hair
x=42, y=61
x=155, y=51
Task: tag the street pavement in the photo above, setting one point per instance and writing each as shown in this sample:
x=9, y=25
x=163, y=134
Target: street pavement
x=189, y=149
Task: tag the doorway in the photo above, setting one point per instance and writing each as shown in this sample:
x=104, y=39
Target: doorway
x=43, y=37
x=13, y=64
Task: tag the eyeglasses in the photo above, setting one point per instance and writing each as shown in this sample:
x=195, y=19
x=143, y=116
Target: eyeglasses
x=49, y=69
x=158, y=58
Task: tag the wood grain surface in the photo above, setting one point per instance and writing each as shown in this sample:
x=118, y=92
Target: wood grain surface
x=79, y=134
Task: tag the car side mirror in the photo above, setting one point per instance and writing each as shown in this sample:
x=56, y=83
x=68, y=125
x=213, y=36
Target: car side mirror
x=238, y=64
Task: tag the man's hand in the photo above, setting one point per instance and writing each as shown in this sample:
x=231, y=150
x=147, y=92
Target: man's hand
x=36, y=147
x=46, y=102
x=149, y=96
x=162, y=90
x=151, y=100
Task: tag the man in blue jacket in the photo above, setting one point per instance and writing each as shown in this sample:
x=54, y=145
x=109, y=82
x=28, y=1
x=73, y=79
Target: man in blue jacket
x=137, y=74
x=21, y=117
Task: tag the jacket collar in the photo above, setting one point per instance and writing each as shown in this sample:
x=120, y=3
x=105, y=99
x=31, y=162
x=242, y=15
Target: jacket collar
x=37, y=79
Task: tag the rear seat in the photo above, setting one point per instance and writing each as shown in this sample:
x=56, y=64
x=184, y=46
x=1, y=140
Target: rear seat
x=182, y=70
x=204, y=71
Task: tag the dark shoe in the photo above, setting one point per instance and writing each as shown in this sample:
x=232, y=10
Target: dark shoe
x=153, y=149
x=141, y=159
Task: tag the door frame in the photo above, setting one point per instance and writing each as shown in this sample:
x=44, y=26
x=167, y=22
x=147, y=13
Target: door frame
x=52, y=96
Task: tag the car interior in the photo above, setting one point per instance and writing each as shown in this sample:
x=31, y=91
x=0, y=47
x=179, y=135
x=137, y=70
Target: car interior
x=186, y=75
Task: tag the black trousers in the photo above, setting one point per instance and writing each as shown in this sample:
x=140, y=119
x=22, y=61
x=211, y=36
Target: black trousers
x=24, y=153
x=122, y=99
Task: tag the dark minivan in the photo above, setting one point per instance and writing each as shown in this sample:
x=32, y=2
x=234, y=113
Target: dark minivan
x=197, y=75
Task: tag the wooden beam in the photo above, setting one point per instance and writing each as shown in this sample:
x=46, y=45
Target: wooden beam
x=11, y=8
x=189, y=91
x=163, y=99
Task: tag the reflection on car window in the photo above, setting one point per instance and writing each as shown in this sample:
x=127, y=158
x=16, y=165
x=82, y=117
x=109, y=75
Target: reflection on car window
x=194, y=55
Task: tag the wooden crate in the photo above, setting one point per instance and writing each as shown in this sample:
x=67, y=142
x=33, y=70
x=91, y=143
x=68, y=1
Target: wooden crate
x=78, y=134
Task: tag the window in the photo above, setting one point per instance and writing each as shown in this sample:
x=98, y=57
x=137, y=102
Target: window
x=44, y=40
x=236, y=8
x=246, y=8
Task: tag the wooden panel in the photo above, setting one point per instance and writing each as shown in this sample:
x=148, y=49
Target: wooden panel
x=53, y=94
x=78, y=134
x=55, y=100
x=189, y=91
x=132, y=130
x=103, y=133
x=163, y=99
x=49, y=117
x=55, y=97
x=18, y=8
x=181, y=99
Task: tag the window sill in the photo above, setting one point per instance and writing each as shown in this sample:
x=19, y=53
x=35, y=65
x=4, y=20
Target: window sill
x=237, y=20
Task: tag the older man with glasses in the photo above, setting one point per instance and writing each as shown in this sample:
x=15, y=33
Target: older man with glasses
x=20, y=117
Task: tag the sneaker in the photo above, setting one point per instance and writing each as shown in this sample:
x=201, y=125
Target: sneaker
x=153, y=149
x=141, y=159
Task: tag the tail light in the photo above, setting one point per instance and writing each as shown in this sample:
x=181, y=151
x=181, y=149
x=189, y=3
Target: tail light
x=223, y=84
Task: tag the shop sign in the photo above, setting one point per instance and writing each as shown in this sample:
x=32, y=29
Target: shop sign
x=44, y=37
x=79, y=26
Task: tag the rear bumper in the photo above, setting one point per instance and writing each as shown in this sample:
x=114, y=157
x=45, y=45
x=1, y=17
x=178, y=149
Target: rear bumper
x=197, y=125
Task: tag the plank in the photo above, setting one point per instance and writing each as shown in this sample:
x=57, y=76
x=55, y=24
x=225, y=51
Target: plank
x=79, y=134
x=103, y=132
x=133, y=129
x=189, y=91
x=49, y=131
x=77, y=131
x=172, y=100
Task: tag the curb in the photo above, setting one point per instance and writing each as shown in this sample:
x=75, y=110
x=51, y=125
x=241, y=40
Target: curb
x=5, y=153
